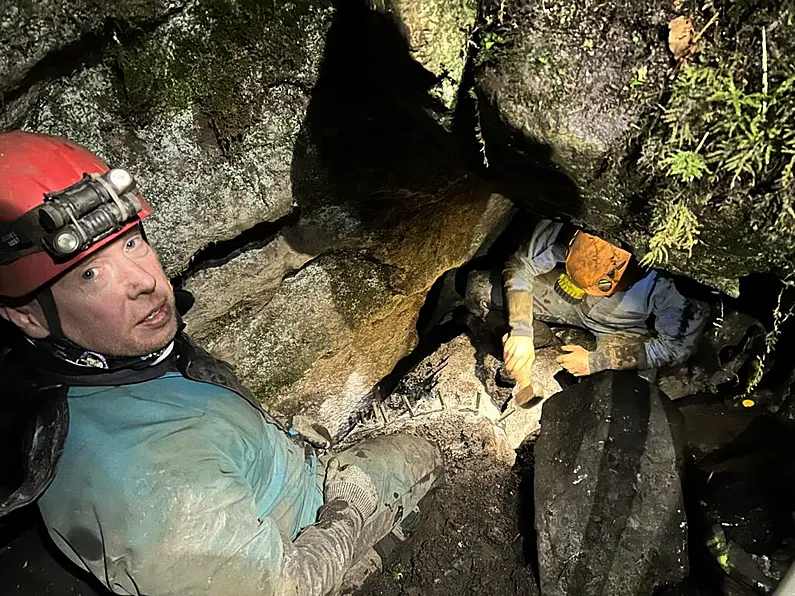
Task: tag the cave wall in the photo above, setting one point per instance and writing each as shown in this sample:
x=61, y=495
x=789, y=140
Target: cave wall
x=687, y=157
x=303, y=189
x=316, y=166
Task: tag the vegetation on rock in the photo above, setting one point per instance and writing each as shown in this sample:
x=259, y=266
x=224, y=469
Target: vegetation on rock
x=223, y=56
x=726, y=136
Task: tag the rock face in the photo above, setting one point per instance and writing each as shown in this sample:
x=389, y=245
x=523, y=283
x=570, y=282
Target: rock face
x=438, y=33
x=206, y=125
x=235, y=114
x=608, y=498
x=460, y=376
x=613, y=131
x=318, y=341
x=305, y=191
x=31, y=30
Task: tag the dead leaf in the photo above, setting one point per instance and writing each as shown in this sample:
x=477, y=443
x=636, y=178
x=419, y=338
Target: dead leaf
x=681, y=36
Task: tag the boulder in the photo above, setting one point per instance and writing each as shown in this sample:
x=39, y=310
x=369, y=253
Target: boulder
x=461, y=376
x=323, y=312
x=199, y=113
x=29, y=31
x=438, y=33
x=608, y=497
x=585, y=109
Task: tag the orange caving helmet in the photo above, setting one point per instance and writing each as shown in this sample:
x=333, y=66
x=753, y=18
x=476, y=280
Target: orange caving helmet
x=595, y=265
x=58, y=204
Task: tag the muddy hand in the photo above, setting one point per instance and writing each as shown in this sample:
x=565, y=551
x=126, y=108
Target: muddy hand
x=575, y=359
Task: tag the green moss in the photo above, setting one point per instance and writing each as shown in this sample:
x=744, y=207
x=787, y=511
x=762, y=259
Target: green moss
x=688, y=165
x=490, y=43
x=219, y=55
x=675, y=227
x=726, y=138
x=780, y=316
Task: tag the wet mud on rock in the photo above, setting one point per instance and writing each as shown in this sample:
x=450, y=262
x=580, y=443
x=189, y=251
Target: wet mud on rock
x=471, y=541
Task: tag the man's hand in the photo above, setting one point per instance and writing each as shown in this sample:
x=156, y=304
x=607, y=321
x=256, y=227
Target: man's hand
x=575, y=360
x=519, y=354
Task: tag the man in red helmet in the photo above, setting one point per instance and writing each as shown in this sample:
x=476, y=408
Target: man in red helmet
x=153, y=467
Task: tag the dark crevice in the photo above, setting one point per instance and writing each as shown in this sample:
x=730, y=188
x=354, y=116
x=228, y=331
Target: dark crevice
x=426, y=346
x=221, y=252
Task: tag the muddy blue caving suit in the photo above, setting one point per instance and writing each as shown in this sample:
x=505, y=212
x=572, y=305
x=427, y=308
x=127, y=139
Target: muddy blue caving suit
x=620, y=322
x=170, y=479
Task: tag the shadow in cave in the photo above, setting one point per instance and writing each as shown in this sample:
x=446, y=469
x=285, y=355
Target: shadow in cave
x=523, y=169
x=31, y=564
x=369, y=138
x=524, y=468
x=373, y=146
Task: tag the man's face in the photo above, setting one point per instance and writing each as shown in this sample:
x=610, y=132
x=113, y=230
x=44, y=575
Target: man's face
x=118, y=301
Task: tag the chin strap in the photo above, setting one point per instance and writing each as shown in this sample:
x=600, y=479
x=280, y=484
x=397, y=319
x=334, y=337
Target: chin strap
x=65, y=349
x=68, y=351
x=47, y=302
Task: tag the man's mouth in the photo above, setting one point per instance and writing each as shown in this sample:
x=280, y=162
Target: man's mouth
x=156, y=316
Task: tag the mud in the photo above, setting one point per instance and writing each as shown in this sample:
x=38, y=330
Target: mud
x=473, y=537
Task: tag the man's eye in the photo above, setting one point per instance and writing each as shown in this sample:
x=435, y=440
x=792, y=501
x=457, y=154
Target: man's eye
x=132, y=243
x=89, y=274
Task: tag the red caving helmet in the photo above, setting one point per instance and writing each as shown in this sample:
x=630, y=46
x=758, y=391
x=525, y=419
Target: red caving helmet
x=58, y=204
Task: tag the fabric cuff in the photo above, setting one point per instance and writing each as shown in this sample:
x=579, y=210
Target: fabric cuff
x=522, y=328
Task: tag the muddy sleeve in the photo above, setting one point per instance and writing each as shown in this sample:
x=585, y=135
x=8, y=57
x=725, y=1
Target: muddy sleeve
x=622, y=354
x=520, y=313
x=679, y=323
x=539, y=255
x=210, y=541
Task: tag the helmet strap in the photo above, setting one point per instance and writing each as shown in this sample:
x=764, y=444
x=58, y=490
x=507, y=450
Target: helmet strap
x=48, y=306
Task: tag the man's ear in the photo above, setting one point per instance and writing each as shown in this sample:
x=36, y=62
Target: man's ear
x=28, y=318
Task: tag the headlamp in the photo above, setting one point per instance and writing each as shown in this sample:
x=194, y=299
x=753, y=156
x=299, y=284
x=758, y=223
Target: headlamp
x=78, y=216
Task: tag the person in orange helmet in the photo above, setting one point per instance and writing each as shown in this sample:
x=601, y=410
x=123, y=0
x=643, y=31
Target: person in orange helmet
x=153, y=467
x=570, y=277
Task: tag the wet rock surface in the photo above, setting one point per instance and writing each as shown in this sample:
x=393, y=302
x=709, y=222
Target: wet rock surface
x=559, y=74
x=29, y=31
x=609, y=509
x=213, y=161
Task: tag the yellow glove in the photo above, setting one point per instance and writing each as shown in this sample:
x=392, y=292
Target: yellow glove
x=519, y=355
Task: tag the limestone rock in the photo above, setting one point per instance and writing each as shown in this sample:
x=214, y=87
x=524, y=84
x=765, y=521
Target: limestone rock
x=608, y=498
x=31, y=30
x=212, y=161
x=584, y=110
x=438, y=33
x=317, y=342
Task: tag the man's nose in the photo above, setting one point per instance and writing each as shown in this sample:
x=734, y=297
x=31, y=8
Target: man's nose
x=139, y=279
